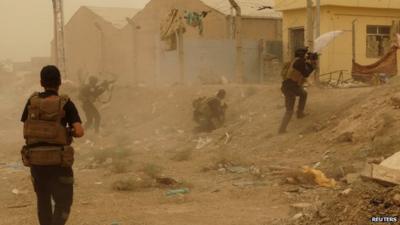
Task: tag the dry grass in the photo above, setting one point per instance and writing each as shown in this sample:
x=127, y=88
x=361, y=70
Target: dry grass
x=100, y=156
x=120, y=166
x=119, y=159
x=130, y=184
x=152, y=170
x=250, y=91
x=183, y=155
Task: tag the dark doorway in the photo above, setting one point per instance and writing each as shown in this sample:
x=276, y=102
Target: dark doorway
x=296, y=36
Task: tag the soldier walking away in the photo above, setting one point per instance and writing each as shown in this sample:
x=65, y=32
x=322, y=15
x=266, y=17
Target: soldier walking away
x=50, y=123
x=209, y=113
x=88, y=95
x=294, y=75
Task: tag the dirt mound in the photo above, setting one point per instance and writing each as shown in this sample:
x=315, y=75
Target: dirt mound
x=355, y=206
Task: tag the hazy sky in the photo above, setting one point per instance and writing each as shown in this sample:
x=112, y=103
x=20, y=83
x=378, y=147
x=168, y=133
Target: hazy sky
x=26, y=26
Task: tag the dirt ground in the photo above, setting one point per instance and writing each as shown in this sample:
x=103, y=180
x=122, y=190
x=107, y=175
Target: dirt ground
x=147, y=133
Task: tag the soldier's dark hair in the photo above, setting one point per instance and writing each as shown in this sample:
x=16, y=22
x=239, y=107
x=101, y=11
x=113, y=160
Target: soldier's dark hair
x=50, y=77
x=221, y=93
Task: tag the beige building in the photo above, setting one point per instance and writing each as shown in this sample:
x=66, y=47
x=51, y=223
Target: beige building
x=373, y=26
x=259, y=22
x=95, y=43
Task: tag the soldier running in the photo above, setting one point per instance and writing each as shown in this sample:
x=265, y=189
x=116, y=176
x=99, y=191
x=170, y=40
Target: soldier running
x=293, y=80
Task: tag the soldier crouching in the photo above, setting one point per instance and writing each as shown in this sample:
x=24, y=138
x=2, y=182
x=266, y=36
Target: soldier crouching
x=209, y=113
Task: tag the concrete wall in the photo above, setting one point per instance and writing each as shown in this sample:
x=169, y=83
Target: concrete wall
x=338, y=55
x=90, y=51
x=216, y=27
x=211, y=59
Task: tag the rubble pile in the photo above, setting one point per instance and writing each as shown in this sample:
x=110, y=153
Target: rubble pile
x=354, y=206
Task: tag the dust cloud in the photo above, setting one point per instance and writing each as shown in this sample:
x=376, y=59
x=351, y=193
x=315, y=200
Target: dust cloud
x=149, y=165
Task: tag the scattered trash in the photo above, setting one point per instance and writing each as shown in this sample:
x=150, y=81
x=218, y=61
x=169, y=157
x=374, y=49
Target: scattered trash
x=115, y=223
x=255, y=171
x=297, y=216
x=319, y=177
x=345, y=137
x=396, y=100
x=108, y=161
x=222, y=170
x=18, y=206
x=166, y=181
x=249, y=183
x=89, y=142
x=15, y=166
x=98, y=183
x=351, y=178
x=293, y=190
x=396, y=199
x=301, y=205
x=177, y=191
x=228, y=138
x=202, y=142
x=237, y=169
x=15, y=191
x=316, y=165
x=346, y=192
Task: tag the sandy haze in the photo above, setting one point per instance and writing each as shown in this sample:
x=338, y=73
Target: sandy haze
x=26, y=25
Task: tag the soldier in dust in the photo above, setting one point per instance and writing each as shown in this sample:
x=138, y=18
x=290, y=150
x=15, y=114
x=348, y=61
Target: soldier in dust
x=88, y=95
x=50, y=121
x=209, y=113
x=293, y=84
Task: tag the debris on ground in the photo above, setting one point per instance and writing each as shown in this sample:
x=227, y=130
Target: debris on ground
x=179, y=191
x=166, y=181
x=362, y=202
x=381, y=174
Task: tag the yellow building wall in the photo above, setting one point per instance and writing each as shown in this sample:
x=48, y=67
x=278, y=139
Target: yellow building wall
x=382, y=4
x=338, y=55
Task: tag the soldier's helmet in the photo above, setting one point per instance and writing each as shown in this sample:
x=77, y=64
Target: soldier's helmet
x=221, y=94
x=93, y=80
x=50, y=76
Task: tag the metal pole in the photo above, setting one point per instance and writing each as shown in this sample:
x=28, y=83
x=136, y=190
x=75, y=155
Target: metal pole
x=181, y=56
x=310, y=25
x=55, y=50
x=354, y=39
x=58, y=12
x=317, y=34
x=134, y=28
x=238, y=36
x=102, y=48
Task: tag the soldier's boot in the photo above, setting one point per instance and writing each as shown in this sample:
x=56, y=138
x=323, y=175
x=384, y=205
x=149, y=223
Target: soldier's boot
x=285, y=122
x=301, y=115
x=302, y=104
